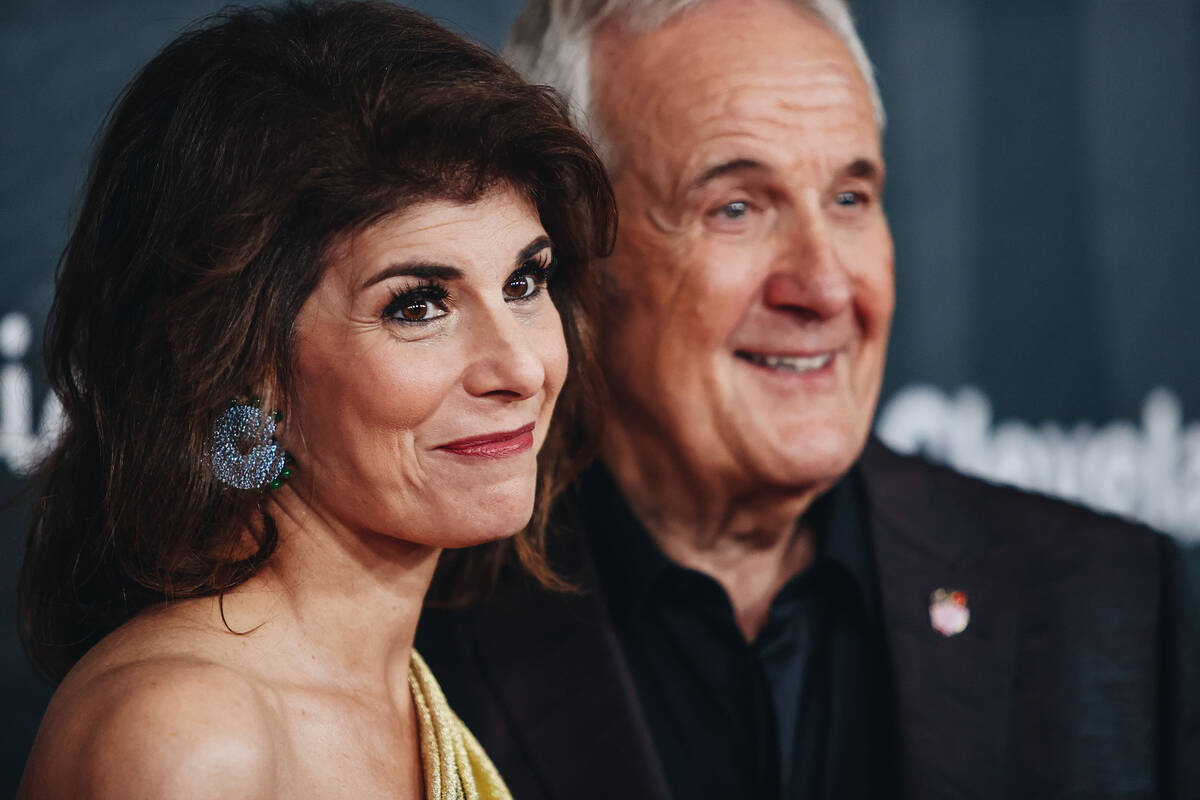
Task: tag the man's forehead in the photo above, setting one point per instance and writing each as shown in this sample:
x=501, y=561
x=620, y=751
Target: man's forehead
x=795, y=94
x=704, y=78
x=718, y=35
x=817, y=124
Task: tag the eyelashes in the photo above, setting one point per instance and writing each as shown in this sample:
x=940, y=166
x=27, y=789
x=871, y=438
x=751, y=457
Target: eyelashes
x=540, y=267
x=530, y=280
x=419, y=304
x=431, y=299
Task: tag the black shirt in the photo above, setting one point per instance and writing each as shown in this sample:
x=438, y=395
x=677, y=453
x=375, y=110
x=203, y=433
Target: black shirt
x=803, y=711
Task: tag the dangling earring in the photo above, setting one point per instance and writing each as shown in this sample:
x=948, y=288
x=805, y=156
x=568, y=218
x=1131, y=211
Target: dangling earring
x=243, y=452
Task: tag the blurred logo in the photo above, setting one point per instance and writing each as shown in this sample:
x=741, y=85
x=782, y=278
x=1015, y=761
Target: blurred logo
x=22, y=445
x=1149, y=472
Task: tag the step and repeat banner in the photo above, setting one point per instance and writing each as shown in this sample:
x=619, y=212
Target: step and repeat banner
x=1044, y=194
x=1042, y=165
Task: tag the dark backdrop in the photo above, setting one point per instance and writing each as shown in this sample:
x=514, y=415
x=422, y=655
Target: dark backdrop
x=1043, y=164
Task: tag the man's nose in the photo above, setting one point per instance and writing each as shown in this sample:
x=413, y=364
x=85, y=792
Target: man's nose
x=504, y=361
x=808, y=277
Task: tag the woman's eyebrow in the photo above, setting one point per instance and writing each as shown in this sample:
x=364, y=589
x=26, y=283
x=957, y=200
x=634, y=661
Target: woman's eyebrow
x=425, y=269
x=533, y=248
x=414, y=269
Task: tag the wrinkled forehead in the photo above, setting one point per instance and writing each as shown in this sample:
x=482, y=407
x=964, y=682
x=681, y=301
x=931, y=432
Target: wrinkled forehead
x=713, y=75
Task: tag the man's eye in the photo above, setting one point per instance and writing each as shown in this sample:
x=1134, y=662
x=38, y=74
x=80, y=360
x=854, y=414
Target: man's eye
x=735, y=210
x=520, y=286
x=849, y=199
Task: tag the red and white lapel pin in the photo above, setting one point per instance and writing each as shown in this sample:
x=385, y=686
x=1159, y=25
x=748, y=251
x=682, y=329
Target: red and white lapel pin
x=948, y=611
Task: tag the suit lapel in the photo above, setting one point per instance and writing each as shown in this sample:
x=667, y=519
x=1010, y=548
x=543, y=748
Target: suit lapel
x=952, y=693
x=556, y=663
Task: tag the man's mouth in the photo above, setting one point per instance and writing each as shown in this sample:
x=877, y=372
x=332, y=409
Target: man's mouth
x=799, y=364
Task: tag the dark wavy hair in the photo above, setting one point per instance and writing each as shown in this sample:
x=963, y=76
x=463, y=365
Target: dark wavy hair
x=225, y=171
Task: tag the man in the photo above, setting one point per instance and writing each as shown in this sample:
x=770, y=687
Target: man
x=772, y=604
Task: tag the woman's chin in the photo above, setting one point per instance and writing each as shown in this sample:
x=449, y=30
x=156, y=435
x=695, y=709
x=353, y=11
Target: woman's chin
x=487, y=521
x=471, y=536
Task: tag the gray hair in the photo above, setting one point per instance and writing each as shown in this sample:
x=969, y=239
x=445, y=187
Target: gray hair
x=551, y=43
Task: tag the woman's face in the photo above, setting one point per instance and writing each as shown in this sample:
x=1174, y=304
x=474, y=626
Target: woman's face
x=428, y=360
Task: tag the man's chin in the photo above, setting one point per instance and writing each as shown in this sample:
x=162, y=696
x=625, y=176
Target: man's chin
x=812, y=462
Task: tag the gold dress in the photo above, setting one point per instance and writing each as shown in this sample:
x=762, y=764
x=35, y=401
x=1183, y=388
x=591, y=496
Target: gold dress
x=456, y=768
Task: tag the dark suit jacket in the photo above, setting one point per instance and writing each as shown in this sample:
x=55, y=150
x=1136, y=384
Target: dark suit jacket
x=1073, y=679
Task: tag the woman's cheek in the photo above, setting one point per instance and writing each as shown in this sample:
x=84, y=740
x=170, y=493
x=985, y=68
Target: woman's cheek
x=555, y=357
x=406, y=386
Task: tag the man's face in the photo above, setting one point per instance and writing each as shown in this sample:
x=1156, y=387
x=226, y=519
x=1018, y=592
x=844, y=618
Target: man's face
x=752, y=274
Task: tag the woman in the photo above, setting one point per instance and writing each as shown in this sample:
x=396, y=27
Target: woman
x=327, y=231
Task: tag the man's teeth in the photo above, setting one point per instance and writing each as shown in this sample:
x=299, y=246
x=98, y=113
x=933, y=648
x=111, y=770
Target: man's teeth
x=790, y=363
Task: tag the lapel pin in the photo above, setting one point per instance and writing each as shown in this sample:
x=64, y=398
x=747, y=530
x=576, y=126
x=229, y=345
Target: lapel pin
x=948, y=612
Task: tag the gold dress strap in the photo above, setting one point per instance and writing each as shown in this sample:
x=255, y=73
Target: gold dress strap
x=456, y=768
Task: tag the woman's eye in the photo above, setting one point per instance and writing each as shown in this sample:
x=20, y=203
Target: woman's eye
x=421, y=311
x=528, y=281
x=849, y=199
x=520, y=286
x=418, y=306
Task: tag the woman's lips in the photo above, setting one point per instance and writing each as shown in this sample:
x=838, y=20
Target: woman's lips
x=493, y=445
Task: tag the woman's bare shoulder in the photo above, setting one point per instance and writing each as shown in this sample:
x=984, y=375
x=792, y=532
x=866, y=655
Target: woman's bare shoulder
x=178, y=725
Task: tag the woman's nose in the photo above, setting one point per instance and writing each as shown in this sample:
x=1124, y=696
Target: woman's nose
x=505, y=360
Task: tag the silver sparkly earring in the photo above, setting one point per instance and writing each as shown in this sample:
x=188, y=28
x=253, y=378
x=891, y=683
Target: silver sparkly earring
x=243, y=452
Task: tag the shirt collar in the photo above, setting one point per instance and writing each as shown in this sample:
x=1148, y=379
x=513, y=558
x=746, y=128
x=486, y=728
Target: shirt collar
x=844, y=536
x=630, y=563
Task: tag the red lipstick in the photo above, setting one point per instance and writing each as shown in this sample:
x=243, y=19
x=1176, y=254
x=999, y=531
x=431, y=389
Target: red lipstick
x=493, y=445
